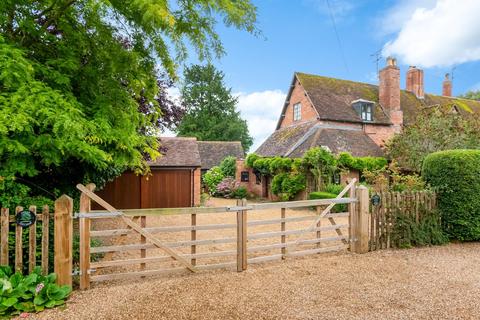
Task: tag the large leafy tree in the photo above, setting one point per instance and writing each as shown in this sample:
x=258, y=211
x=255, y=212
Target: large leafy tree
x=211, y=108
x=434, y=130
x=474, y=95
x=80, y=97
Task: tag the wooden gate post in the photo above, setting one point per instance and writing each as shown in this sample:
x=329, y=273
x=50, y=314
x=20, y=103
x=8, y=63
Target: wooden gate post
x=4, y=225
x=241, y=236
x=63, y=239
x=84, y=230
x=360, y=221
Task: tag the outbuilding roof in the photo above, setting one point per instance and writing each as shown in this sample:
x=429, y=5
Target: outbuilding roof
x=178, y=152
x=213, y=152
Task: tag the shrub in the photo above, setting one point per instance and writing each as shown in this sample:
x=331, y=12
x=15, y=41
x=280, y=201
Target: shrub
x=327, y=195
x=455, y=174
x=227, y=187
x=32, y=293
x=212, y=178
x=240, y=193
x=229, y=166
x=407, y=232
x=334, y=188
x=287, y=185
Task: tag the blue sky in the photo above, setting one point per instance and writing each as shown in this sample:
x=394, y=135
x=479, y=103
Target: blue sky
x=298, y=35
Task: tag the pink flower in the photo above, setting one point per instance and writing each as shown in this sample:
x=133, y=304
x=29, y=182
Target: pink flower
x=39, y=287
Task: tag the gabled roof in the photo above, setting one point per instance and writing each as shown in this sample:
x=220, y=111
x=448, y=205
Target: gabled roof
x=213, y=152
x=332, y=99
x=178, y=152
x=293, y=141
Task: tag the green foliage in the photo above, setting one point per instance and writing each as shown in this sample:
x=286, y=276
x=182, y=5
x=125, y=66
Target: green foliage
x=212, y=178
x=322, y=163
x=211, y=108
x=455, y=175
x=407, y=232
x=287, y=185
x=229, y=166
x=32, y=293
x=240, y=193
x=250, y=160
x=73, y=73
x=472, y=94
x=434, y=130
x=390, y=178
x=327, y=195
x=334, y=188
x=347, y=161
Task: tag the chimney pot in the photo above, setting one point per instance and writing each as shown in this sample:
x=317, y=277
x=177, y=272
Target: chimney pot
x=447, y=86
x=415, y=82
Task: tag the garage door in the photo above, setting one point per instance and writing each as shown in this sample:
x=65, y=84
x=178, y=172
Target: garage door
x=164, y=188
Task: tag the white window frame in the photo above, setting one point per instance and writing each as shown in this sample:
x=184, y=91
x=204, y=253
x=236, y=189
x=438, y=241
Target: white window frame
x=367, y=112
x=297, y=111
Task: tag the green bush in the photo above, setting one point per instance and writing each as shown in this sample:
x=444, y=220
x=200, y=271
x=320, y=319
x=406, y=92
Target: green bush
x=334, y=188
x=240, y=193
x=212, y=178
x=327, y=195
x=287, y=185
x=455, y=175
x=229, y=166
x=407, y=232
x=32, y=293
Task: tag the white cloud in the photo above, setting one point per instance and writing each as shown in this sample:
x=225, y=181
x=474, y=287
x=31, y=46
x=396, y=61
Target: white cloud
x=261, y=110
x=444, y=35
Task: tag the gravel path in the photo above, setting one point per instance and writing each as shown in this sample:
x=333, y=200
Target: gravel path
x=426, y=283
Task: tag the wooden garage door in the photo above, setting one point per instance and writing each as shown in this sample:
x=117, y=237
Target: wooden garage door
x=165, y=188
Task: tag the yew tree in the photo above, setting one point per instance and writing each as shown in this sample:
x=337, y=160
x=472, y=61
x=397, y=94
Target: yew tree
x=81, y=92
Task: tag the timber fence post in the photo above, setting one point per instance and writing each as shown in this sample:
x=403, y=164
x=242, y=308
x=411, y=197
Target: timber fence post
x=84, y=230
x=241, y=236
x=360, y=228
x=63, y=240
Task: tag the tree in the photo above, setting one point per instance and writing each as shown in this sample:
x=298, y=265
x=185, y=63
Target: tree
x=434, y=130
x=472, y=94
x=211, y=108
x=80, y=98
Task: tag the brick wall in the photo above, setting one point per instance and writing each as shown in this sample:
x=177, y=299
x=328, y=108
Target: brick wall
x=308, y=111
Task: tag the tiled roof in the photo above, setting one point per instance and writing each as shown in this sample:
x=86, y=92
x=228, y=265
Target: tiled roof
x=213, y=152
x=333, y=100
x=295, y=140
x=178, y=152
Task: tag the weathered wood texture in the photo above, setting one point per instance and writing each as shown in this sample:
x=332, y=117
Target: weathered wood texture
x=8, y=223
x=63, y=238
x=383, y=216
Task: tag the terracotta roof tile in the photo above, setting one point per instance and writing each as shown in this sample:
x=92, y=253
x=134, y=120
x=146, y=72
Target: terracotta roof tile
x=213, y=152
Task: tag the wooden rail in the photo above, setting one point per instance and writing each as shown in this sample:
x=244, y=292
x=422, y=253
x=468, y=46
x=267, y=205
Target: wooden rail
x=244, y=246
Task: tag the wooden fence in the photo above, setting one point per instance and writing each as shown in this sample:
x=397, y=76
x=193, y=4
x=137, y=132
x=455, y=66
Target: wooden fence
x=63, y=237
x=244, y=248
x=382, y=220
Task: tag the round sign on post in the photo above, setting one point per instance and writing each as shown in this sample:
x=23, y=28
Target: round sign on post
x=375, y=200
x=25, y=218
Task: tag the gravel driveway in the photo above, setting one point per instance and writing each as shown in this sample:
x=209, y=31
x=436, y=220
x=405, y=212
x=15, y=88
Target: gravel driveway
x=425, y=283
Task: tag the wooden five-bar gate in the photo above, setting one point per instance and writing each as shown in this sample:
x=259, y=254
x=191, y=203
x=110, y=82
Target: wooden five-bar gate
x=247, y=245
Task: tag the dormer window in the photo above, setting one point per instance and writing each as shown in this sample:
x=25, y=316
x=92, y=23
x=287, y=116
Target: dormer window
x=366, y=112
x=364, y=109
x=297, y=111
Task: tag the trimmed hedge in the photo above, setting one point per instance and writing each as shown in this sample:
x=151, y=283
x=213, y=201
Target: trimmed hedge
x=455, y=174
x=327, y=195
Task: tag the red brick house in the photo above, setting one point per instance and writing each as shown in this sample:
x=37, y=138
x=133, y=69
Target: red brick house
x=350, y=116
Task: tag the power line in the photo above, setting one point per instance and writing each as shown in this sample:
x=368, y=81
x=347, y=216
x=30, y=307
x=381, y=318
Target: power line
x=336, y=34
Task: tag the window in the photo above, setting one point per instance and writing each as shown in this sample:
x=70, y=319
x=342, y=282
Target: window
x=245, y=177
x=366, y=112
x=297, y=111
x=258, y=178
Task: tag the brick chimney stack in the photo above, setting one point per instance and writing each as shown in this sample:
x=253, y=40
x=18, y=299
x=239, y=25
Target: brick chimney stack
x=389, y=92
x=447, y=86
x=415, y=81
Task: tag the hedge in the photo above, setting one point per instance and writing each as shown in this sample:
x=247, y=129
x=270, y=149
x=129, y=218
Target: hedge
x=327, y=195
x=455, y=174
